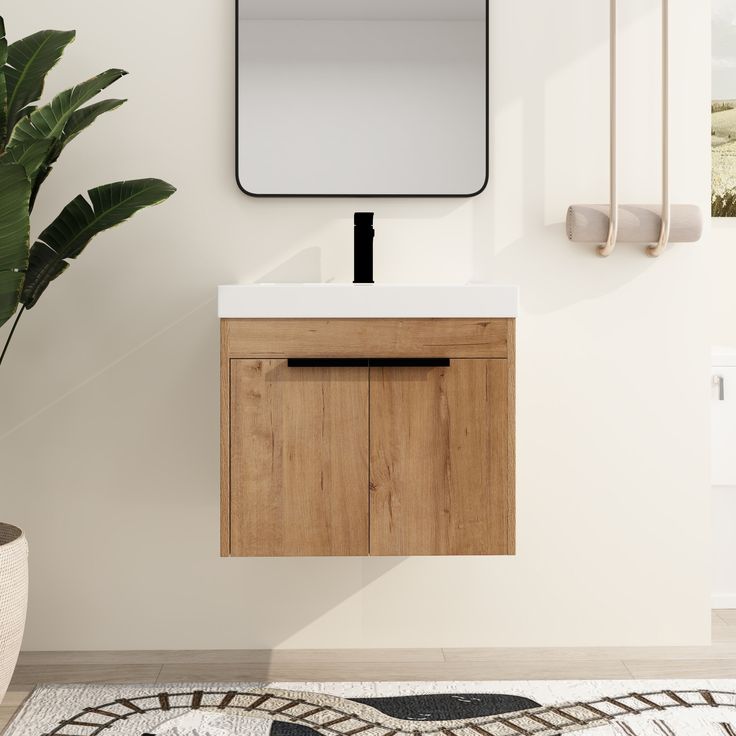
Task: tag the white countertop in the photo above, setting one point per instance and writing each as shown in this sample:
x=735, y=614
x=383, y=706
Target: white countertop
x=377, y=301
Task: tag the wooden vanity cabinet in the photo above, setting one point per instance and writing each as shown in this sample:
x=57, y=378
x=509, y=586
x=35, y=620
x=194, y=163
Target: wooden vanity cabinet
x=299, y=460
x=365, y=437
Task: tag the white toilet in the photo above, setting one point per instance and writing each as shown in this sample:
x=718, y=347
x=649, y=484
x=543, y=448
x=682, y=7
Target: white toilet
x=723, y=476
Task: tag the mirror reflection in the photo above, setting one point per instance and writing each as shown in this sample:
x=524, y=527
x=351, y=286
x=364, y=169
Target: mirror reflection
x=362, y=97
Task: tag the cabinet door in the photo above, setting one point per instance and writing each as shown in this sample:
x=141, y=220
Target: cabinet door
x=298, y=460
x=442, y=459
x=723, y=426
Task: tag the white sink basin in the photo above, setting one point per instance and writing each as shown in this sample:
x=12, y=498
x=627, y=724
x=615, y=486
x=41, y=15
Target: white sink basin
x=378, y=301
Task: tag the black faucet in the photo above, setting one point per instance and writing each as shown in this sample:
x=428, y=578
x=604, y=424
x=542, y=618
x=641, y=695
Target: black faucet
x=363, y=248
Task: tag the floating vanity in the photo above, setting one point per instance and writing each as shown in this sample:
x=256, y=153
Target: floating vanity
x=378, y=422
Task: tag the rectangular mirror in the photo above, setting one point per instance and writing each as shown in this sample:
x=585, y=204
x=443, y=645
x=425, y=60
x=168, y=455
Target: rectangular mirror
x=363, y=98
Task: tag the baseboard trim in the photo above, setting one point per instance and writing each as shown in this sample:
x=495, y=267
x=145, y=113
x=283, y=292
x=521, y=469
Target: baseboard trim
x=723, y=601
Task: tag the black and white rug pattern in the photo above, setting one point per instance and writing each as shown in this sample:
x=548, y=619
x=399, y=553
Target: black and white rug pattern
x=540, y=708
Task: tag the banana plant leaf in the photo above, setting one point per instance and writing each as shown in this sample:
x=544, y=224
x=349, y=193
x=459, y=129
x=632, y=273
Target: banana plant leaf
x=3, y=85
x=50, y=120
x=30, y=156
x=79, y=222
x=78, y=121
x=29, y=61
x=83, y=118
x=15, y=192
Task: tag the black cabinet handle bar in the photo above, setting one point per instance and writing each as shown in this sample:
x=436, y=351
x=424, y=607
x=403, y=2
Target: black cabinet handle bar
x=369, y=362
x=409, y=362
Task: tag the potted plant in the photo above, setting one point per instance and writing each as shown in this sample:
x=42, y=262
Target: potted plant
x=13, y=599
x=32, y=137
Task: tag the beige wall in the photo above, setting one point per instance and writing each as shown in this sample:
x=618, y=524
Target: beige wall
x=109, y=425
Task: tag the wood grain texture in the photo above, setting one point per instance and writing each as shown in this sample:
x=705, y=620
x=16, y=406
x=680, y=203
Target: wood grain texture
x=510, y=436
x=25, y=676
x=489, y=450
x=224, y=438
x=299, y=460
x=332, y=665
x=440, y=475
x=232, y=656
x=389, y=670
x=378, y=338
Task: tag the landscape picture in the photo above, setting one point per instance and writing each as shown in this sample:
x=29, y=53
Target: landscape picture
x=723, y=109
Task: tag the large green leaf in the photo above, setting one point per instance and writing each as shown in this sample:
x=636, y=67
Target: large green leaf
x=3, y=85
x=77, y=122
x=79, y=222
x=15, y=192
x=50, y=120
x=83, y=118
x=11, y=284
x=31, y=156
x=29, y=61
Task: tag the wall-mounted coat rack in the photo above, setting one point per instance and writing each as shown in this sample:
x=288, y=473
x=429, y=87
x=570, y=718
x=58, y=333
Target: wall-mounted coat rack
x=653, y=225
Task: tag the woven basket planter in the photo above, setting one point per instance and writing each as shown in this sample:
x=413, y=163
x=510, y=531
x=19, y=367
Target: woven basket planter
x=13, y=599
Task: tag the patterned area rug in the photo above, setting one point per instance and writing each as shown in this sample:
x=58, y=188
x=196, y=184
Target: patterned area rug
x=545, y=708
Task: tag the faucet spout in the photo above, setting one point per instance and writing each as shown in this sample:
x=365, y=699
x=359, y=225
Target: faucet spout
x=363, y=248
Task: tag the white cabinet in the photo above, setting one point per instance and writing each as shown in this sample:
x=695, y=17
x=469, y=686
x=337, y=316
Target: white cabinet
x=723, y=426
x=723, y=476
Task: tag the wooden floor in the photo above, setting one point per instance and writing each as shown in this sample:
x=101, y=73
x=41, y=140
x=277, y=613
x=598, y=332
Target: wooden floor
x=715, y=661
